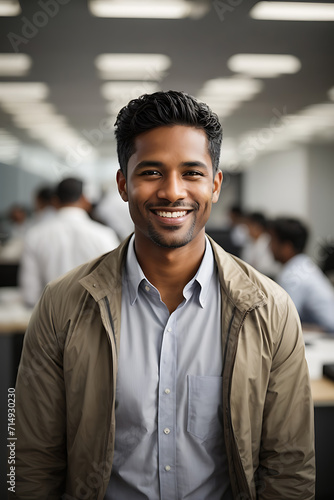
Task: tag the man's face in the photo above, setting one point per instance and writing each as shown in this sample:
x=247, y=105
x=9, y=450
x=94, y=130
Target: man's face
x=277, y=248
x=170, y=185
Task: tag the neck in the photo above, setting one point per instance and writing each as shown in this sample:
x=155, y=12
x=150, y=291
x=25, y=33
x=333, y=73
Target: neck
x=170, y=269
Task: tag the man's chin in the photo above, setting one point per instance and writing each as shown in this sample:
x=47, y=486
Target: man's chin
x=171, y=240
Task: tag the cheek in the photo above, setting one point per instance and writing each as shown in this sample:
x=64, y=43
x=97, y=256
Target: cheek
x=203, y=192
x=140, y=192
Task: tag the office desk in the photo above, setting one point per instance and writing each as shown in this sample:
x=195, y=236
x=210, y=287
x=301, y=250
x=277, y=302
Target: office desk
x=319, y=350
x=322, y=392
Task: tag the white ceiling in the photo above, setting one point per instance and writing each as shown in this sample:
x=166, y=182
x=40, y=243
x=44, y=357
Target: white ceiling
x=64, y=47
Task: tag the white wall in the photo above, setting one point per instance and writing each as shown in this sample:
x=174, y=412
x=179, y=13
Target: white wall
x=298, y=183
x=321, y=196
x=277, y=184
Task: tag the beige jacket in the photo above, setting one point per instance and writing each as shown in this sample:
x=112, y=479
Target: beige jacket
x=67, y=378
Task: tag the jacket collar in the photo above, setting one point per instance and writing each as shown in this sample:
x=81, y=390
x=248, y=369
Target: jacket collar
x=234, y=276
x=106, y=278
x=240, y=289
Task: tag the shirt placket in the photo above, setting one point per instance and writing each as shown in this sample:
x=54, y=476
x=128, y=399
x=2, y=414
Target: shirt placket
x=167, y=413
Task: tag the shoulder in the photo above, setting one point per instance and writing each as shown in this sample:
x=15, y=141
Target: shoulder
x=243, y=281
x=251, y=291
x=102, y=273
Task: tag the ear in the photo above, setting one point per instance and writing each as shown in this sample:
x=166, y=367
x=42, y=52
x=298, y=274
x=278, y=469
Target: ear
x=121, y=183
x=217, y=184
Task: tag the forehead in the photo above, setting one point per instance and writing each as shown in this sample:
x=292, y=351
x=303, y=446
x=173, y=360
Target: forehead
x=173, y=140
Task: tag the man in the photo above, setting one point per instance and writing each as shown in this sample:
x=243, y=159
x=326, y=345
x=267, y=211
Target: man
x=239, y=230
x=44, y=204
x=167, y=369
x=55, y=246
x=310, y=290
x=257, y=251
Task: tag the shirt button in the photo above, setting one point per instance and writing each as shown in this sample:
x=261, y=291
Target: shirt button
x=167, y=391
x=167, y=468
x=169, y=329
x=166, y=431
x=147, y=288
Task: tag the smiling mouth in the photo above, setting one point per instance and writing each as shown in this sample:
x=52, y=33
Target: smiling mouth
x=171, y=215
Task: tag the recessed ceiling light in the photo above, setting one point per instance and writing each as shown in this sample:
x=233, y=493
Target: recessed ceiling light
x=10, y=8
x=60, y=138
x=322, y=109
x=232, y=88
x=264, y=65
x=293, y=11
x=14, y=64
x=57, y=135
x=149, y=9
x=28, y=121
x=28, y=91
x=309, y=121
x=28, y=108
x=220, y=107
x=132, y=66
x=123, y=92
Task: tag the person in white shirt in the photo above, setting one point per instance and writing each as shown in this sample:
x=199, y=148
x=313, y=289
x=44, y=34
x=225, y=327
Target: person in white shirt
x=55, y=246
x=239, y=230
x=257, y=250
x=114, y=213
x=307, y=285
x=44, y=204
x=19, y=223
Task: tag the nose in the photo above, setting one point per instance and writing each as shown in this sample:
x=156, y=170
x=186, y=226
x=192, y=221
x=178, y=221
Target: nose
x=172, y=188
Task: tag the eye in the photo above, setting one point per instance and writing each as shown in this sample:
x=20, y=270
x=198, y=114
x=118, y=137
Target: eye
x=193, y=173
x=150, y=172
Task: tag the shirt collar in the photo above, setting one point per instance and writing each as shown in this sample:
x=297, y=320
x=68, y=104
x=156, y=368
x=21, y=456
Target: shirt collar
x=203, y=275
x=135, y=275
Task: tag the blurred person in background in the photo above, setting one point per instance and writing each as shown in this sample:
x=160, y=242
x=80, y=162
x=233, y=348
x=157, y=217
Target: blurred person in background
x=307, y=285
x=18, y=216
x=114, y=213
x=257, y=251
x=57, y=245
x=239, y=231
x=18, y=223
x=44, y=203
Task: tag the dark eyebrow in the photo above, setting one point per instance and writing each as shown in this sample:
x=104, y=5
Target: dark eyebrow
x=152, y=163
x=149, y=163
x=194, y=164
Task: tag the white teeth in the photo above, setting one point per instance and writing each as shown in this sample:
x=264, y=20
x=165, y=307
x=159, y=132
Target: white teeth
x=173, y=215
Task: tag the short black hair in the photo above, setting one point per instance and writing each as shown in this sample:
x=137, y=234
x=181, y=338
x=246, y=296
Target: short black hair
x=45, y=194
x=258, y=218
x=161, y=109
x=69, y=190
x=236, y=209
x=288, y=229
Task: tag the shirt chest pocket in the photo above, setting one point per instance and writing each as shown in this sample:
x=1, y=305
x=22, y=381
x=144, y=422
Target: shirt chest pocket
x=205, y=406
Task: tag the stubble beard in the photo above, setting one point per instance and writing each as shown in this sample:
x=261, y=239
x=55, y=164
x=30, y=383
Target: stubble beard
x=163, y=242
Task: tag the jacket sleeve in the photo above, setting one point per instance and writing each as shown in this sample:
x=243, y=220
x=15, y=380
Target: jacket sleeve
x=287, y=457
x=40, y=410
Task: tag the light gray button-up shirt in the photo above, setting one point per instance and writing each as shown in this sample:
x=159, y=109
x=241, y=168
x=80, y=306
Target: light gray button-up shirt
x=169, y=437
